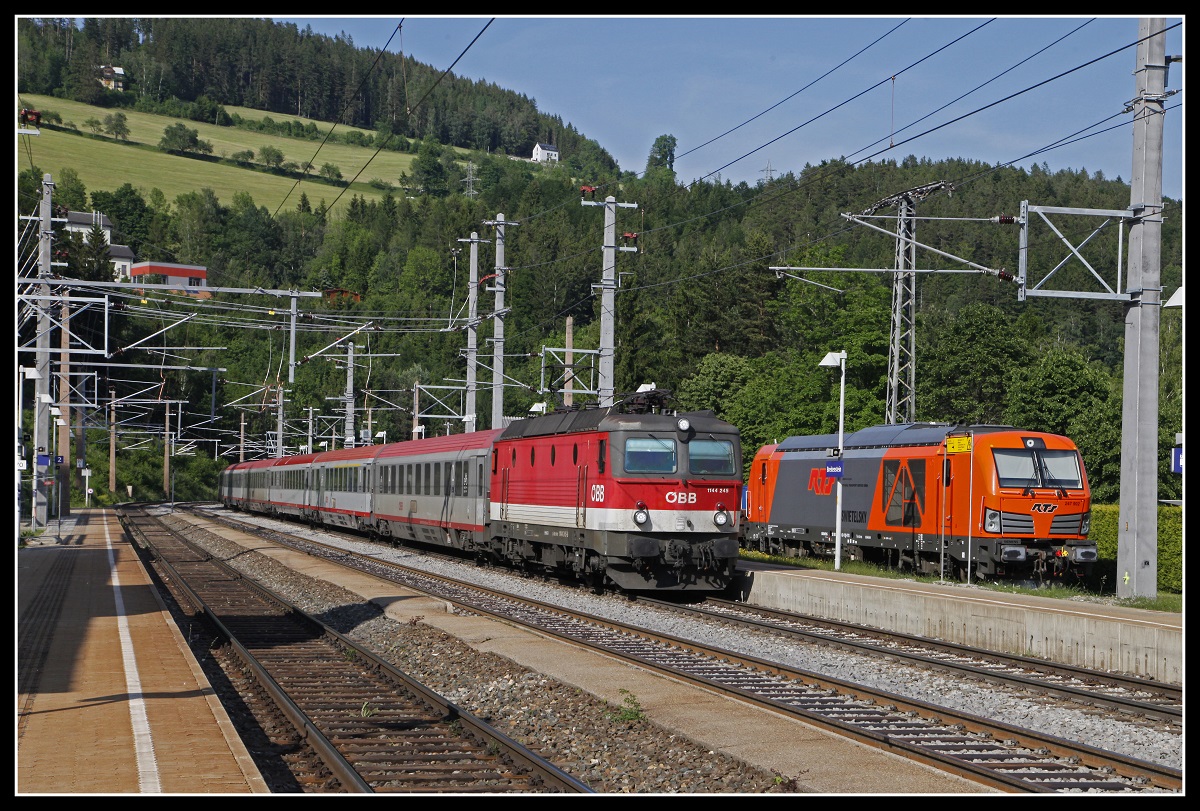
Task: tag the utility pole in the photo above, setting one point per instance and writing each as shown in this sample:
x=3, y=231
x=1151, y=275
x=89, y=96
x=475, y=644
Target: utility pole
x=417, y=432
x=62, y=479
x=498, y=326
x=112, y=441
x=569, y=383
x=167, y=450
x=41, y=439
x=292, y=341
x=1137, y=538
x=349, y=395
x=608, y=289
x=278, y=420
x=470, y=417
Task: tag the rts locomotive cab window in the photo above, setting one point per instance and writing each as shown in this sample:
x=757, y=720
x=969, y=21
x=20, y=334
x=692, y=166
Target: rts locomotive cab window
x=650, y=455
x=1061, y=469
x=711, y=456
x=1025, y=468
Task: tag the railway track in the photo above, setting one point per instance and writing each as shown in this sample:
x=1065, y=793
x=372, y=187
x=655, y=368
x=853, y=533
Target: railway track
x=991, y=753
x=1136, y=696
x=373, y=729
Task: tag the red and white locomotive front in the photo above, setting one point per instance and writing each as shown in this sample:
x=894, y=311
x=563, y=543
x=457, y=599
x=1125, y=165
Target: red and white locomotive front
x=650, y=500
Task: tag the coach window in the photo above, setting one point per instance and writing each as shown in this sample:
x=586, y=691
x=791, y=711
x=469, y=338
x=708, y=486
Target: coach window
x=531, y=457
x=514, y=457
x=437, y=478
x=551, y=456
x=417, y=483
x=575, y=454
x=428, y=483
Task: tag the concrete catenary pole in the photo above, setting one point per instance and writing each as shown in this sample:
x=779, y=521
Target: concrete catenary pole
x=1137, y=538
x=112, y=441
x=62, y=478
x=471, y=416
x=498, y=326
x=608, y=290
x=349, y=395
x=41, y=405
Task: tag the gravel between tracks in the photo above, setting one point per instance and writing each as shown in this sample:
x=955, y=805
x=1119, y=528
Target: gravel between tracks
x=580, y=732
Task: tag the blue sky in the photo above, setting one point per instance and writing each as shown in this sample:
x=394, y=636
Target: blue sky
x=811, y=88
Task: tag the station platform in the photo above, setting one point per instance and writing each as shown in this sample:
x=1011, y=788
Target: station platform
x=110, y=699
x=1080, y=633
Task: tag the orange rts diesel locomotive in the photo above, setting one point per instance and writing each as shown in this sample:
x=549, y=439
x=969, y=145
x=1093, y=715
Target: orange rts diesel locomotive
x=985, y=502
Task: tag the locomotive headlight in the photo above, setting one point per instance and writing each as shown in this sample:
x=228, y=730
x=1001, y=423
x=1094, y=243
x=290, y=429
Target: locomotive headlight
x=641, y=515
x=721, y=518
x=991, y=520
x=683, y=424
x=1086, y=524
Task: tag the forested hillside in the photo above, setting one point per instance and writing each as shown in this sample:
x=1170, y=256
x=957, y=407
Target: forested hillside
x=700, y=309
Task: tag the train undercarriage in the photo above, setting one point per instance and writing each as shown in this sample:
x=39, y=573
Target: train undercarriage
x=992, y=560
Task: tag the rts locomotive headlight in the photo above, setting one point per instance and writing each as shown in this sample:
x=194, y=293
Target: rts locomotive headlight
x=683, y=424
x=991, y=520
x=642, y=514
x=721, y=518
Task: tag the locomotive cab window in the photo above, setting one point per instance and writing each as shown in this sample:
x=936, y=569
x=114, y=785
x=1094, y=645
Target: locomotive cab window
x=713, y=456
x=650, y=455
x=1020, y=467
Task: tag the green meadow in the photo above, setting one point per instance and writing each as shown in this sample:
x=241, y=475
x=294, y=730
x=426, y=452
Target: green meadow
x=105, y=164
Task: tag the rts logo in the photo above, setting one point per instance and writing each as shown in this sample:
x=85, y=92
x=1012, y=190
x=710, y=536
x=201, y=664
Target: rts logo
x=1044, y=508
x=819, y=483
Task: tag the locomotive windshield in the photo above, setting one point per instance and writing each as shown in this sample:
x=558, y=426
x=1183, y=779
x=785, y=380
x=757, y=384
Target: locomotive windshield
x=649, y=455
x=711, y=456
x=1038, y=468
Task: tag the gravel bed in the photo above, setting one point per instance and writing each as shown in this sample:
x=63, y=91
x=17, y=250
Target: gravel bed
x=636, y=756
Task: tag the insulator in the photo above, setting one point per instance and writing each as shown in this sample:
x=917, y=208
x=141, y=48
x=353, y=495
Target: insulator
x=1004, y=219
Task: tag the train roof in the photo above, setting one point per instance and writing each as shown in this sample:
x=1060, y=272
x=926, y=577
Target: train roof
x=888, y=436
x=254, y=464
x=348, y=454
x=298, y=459
x=441, y=444
x=610, y=419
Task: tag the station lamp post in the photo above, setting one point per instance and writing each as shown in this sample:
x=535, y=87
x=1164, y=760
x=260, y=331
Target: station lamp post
x=838, y=359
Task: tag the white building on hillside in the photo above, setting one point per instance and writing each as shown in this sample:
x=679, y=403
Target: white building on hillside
x=544, y=153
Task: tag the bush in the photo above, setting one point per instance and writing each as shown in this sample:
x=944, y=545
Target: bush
x=1105, y=532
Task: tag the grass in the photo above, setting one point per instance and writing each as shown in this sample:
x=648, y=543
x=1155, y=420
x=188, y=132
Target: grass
x=1163, y=601
x=104, y=164
x=630, y=709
